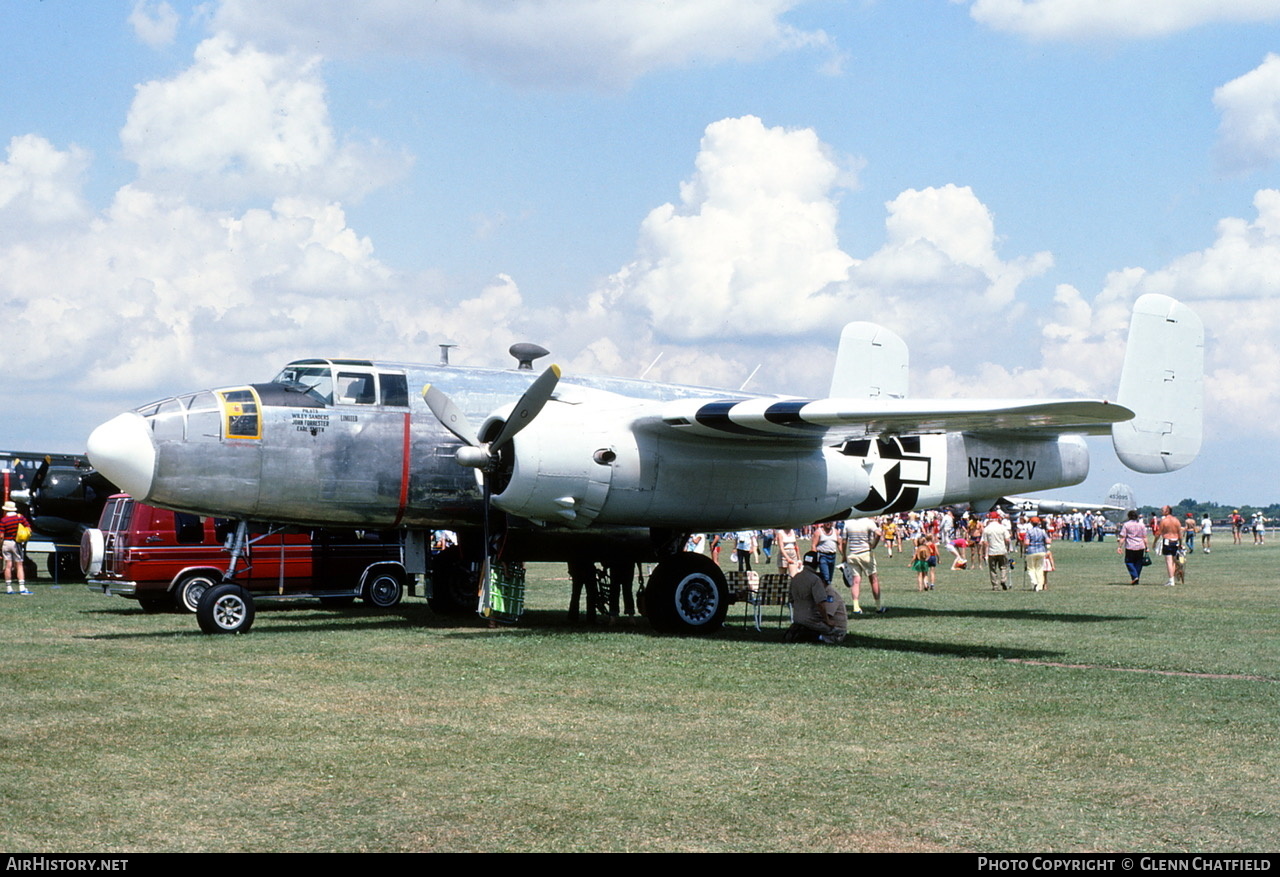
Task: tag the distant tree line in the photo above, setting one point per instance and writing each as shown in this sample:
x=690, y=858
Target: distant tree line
x=1216, y=511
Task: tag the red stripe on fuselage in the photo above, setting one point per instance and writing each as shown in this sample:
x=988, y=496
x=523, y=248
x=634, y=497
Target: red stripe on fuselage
x=404, y=473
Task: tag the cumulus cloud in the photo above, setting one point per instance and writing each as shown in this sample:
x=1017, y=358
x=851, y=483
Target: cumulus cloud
x=943, y=240
x=155, y=287
x=242, y=122
x=40, y=184
x=750, y=257
x=1234, y=285
x=752, y=245
x=1109, y=19
x=1249, y=136
x=605, y=43
x=155, y=24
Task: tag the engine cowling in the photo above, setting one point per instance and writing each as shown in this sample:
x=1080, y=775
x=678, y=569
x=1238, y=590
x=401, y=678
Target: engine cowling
x=575, y=471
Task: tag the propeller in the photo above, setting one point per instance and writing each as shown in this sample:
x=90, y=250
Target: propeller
x=480, y=455
x=486, y=456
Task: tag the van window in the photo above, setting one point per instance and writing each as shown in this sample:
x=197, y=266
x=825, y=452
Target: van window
x=187, y=529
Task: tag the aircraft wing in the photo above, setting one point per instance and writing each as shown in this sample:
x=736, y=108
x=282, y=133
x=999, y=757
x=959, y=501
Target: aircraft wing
x=828, y=421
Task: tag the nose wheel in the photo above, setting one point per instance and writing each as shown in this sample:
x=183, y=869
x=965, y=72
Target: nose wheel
x=225, y=609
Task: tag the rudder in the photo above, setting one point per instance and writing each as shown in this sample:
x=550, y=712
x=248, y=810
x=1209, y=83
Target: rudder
x=871, y=363
x=1163, y=384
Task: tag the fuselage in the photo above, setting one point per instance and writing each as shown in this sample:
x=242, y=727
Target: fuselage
x=351, y=442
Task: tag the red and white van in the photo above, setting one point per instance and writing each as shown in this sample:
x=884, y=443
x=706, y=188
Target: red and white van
x=167, y=559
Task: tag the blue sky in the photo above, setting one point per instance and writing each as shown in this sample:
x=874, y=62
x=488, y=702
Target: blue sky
x=192, y=194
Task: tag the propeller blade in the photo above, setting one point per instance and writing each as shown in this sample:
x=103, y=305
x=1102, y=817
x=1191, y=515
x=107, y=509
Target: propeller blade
x=449, y=415
x=527, y=408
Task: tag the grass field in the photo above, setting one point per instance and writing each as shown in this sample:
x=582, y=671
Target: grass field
x=1093, y=716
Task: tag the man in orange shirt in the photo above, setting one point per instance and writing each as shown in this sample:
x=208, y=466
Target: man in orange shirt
x=1168, y=535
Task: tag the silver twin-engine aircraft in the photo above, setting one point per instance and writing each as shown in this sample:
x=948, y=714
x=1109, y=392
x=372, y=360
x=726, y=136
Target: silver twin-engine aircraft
x=565, y=467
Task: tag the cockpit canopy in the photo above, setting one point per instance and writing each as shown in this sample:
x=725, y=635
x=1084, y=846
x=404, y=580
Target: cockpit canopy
x=235, y=413
x=348, y=381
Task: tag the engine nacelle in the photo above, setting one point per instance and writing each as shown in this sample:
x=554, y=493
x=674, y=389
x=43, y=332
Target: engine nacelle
x=572, y=471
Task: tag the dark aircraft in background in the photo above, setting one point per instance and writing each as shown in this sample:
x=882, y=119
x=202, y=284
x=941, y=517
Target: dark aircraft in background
x=62, y=495
x=569, y=467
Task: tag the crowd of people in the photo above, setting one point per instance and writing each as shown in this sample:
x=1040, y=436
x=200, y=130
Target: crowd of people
x=811, y=556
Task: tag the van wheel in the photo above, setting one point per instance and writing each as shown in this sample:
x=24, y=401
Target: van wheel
x=225, y=609
x=384, y=590
x=191, y=587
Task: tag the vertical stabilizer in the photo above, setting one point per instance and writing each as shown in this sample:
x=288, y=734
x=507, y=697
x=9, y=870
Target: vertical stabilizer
x=871, y=363
x=1121, y=496
x=1163, y=383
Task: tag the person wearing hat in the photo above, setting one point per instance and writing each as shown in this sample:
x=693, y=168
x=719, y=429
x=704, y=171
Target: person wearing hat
x=996, y=536
x=1189, y=529
x=817, y=611
x=1037, y=551
x=12, y=553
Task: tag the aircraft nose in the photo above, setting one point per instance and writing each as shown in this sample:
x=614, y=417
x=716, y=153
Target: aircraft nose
x=122, y=450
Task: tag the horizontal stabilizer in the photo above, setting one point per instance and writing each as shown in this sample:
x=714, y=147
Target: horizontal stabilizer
x=832, y=420
x=871, y=363
x=1163, y=382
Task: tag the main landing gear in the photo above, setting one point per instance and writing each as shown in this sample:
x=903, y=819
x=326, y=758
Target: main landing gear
x=686, y=594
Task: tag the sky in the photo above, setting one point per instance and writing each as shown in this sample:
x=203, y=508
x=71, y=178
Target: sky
x=194, y=193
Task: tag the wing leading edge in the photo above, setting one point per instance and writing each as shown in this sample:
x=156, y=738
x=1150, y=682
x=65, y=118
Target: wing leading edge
x=829, y=421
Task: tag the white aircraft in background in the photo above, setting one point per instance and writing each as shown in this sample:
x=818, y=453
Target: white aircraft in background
x=619, y=471
x=1119, y=499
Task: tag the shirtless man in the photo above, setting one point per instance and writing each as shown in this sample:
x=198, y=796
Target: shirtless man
x=1167, y=535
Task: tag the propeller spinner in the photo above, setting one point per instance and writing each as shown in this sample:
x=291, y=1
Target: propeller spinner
x=481, y=455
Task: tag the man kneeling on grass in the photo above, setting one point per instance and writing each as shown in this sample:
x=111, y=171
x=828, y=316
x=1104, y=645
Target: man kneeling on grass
x=817, y=610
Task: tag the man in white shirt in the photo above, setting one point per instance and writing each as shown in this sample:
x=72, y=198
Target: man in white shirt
x=996, y=535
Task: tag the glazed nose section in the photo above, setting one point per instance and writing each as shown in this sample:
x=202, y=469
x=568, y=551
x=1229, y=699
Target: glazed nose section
x=122, y=450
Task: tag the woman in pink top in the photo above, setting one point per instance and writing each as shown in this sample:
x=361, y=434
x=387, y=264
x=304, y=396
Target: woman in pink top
x=1133, y=545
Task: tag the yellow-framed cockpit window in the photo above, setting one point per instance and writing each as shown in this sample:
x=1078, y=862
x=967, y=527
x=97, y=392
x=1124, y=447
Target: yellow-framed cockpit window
x=241, y=409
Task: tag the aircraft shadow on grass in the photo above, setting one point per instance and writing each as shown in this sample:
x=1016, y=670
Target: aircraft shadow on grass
x=550, y=622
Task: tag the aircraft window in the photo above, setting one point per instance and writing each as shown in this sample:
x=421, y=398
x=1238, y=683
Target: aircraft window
x=169, y=420
x=313, y=380
x=355, y=388
x=242, y=414
x=395, y=389
x=204, y=418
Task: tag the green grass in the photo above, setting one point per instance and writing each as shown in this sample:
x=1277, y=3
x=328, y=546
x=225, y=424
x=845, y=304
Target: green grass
x=1094, y=716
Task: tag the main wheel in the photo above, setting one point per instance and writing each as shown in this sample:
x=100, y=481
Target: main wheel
x=455, y=586
x=191, y=587
x=225, y=609
x=687, y=594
